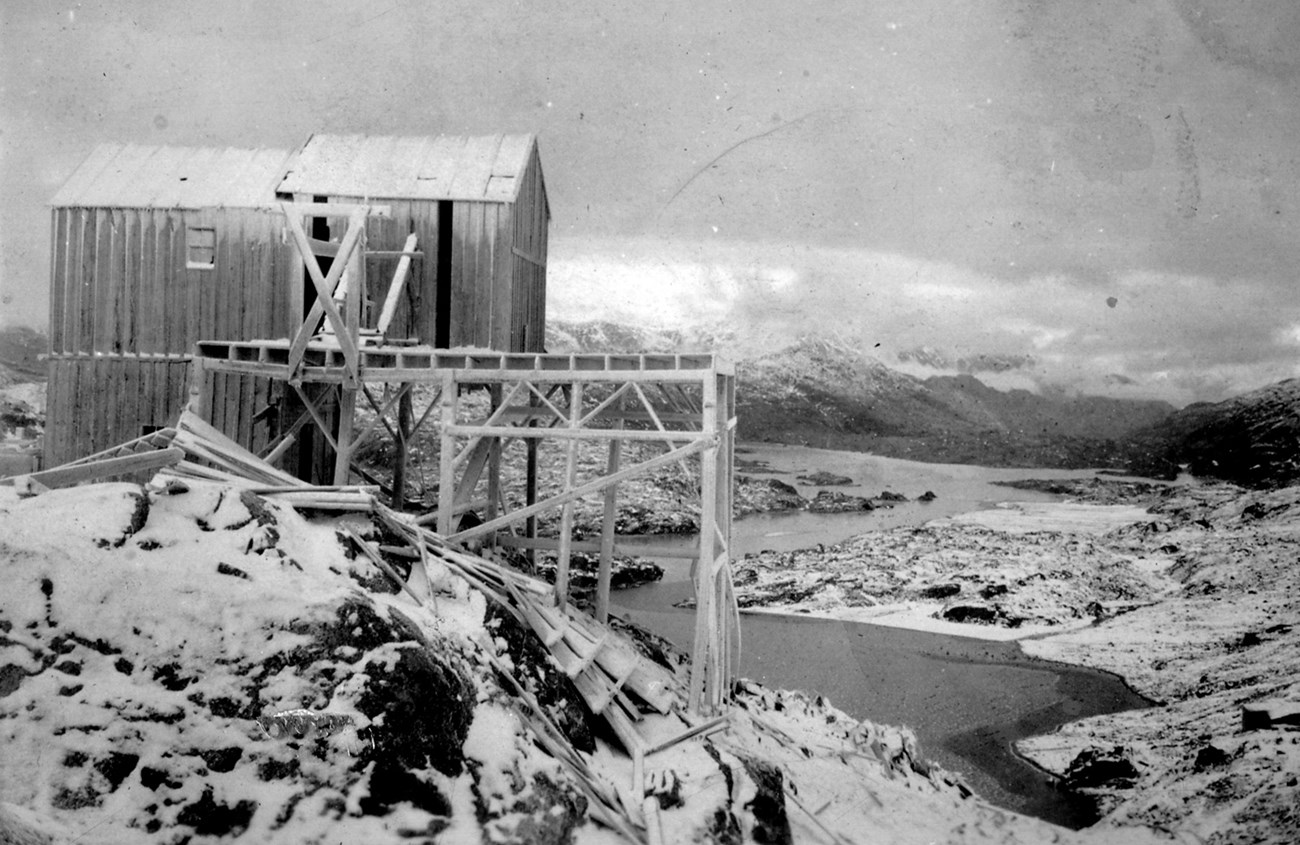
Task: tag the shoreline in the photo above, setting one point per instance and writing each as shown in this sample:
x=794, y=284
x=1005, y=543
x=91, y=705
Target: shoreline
x=1209, y=622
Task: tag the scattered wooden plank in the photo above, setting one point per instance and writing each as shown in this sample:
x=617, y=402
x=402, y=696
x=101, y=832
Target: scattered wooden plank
x=67, y=476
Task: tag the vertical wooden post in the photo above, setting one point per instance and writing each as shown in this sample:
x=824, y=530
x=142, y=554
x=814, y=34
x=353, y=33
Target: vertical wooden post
x=566, y=515
x=343, y=439
x=198, y=388
x=607, y=525
x=728, y=646
x=530, y=480
x=704, y=657
x=447, y=454
x=494, y=460
x=405, y=422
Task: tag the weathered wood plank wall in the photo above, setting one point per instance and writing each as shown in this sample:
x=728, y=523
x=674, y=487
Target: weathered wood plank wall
x=126, y=310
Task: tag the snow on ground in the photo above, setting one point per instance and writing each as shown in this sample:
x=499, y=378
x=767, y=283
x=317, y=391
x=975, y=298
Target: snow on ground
x=1194, y=602
x=1061, y=517
x=1228, y=636
x=154, y=646
x=1022, y=581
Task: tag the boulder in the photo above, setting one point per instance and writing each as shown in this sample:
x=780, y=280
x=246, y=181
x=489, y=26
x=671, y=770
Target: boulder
x=829, y=501
x=970, y=612
x=1092, y=768
x=940, y=591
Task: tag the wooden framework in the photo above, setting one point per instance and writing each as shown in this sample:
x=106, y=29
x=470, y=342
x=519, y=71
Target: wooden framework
x=682, y=403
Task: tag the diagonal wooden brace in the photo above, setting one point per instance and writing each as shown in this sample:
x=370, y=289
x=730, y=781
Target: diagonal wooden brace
x=325, y=285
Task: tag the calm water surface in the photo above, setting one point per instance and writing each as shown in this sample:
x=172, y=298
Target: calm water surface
x=967, y=699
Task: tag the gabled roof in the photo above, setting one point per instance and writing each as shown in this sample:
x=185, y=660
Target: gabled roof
x=488, y=168
x=140, y=176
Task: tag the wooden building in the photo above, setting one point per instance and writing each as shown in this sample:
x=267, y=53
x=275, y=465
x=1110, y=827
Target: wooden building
x=479, y=211
x=156, y=248
x=243, y=285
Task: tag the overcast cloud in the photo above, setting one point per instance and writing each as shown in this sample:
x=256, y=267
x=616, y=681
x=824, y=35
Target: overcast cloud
x=976, y=177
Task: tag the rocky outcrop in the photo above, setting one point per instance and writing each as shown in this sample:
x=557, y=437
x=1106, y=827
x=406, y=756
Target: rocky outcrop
x=833, y=501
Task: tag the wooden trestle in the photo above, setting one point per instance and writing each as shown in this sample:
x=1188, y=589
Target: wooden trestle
x=684, y=402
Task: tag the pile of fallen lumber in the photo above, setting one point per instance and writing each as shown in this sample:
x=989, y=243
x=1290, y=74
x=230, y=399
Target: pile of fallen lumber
x=612, y=677
x=617, y=682
x=604, y=667
x=194, y=449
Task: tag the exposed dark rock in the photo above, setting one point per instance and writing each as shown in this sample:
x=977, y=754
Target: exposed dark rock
x=1096, y=767
x=1210, y=756
x=891, y=496
x=831, y=501
x=210, y=818
x=11, y=677
x=76, y=799
x=771, y=825
x=124, y=666
x=543, y=813
x=584, y=570
x=940, y=591
x=227, y=569
x=220, y=759
x=927, y=496
x=989, y=591
x=427, y=703
x=169, y=675
x=152, y=778
x=278, y=769
x=764, y=495
x=116, y=767
x=821, y=478
x=971, y=612
x=1102, y=491
x=650, y=644
x=536, y=670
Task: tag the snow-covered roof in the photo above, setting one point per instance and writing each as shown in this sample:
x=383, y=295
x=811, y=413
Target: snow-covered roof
x=447, y=167
x=146, y=176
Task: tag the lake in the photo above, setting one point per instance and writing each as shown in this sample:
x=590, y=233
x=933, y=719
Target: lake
x=967, y=699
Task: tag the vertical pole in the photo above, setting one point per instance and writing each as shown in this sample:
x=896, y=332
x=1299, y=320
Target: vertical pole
x=356, y=292
x=343, y=455
x=726, y=602
x=570, y=479
x=530, y=480
x=405, y=422
x=607, y=525
x=494, y=460
x=447, y=454
x=198, y=389
x=704, y=658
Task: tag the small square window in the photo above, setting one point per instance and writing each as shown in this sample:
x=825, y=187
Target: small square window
x=200, y=247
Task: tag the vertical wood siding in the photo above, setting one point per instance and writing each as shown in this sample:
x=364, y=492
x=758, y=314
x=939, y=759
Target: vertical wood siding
x=121, y=296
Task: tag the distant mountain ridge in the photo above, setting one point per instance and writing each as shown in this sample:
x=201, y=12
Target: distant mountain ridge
x=1252, y=439
x=20, y=351
x=828, y=393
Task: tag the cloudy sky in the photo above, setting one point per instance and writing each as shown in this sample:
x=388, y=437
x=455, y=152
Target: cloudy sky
x=1103, y=193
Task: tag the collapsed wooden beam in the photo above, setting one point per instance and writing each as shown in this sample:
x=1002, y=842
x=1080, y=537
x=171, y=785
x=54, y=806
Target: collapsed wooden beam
x=68, y=476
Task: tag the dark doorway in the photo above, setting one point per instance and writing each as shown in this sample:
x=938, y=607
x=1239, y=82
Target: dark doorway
x=314, y=460
x=442, y=305
x=320, y=230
